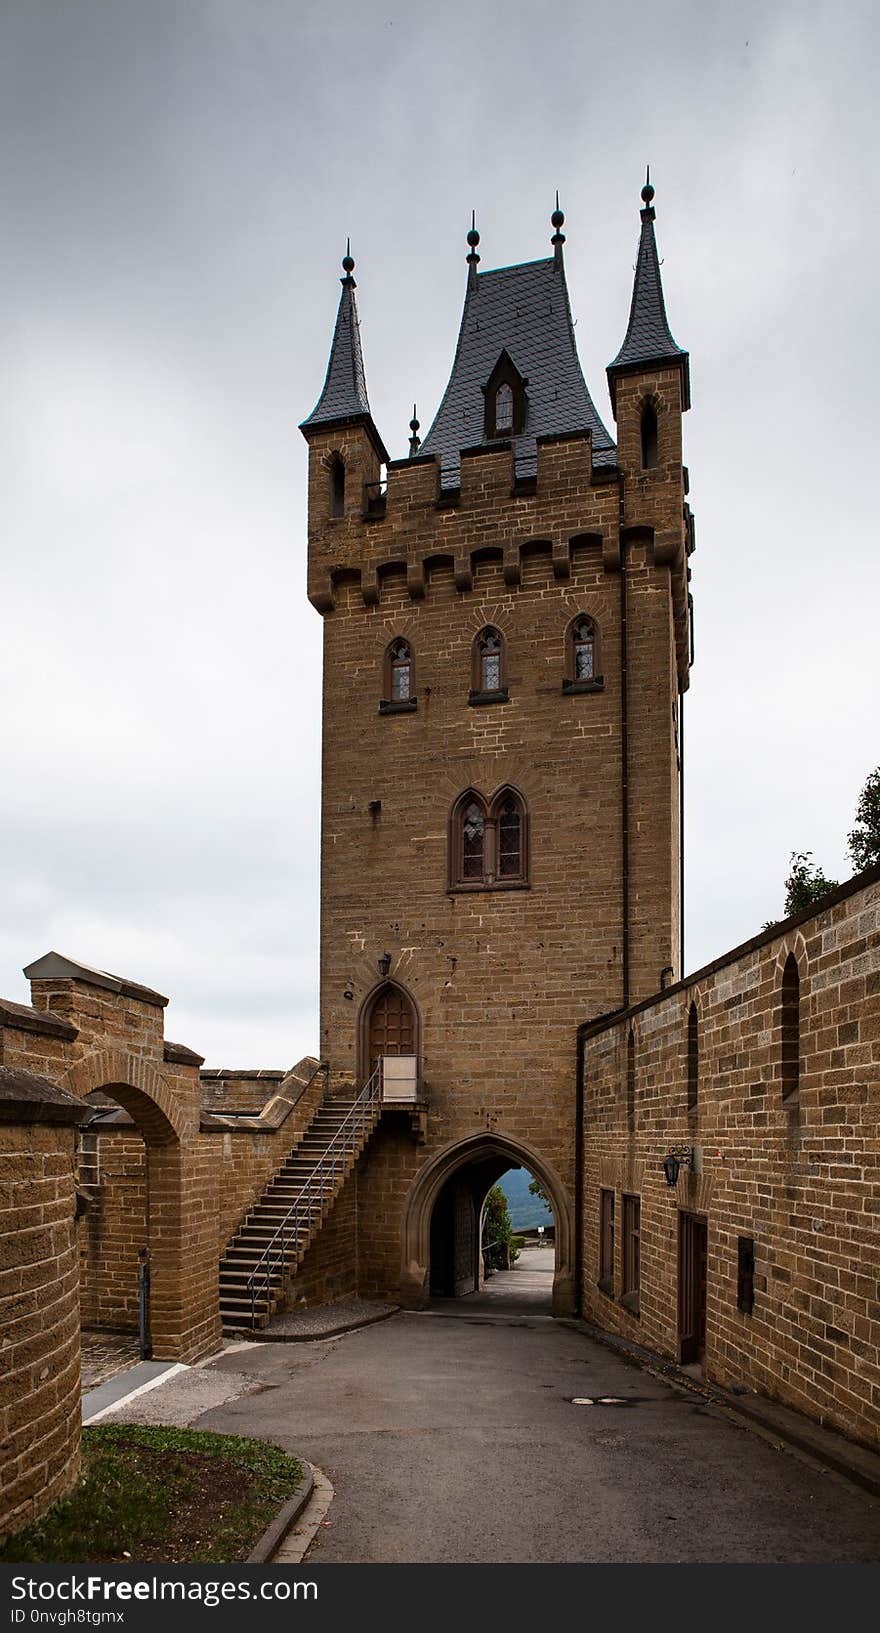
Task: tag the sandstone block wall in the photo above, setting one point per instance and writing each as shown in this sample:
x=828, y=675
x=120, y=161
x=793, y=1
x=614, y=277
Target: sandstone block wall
x=39, y=1299
x=802, y=1181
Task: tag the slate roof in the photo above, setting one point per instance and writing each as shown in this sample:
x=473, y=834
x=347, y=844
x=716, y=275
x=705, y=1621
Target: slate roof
x=525, y=310
x=344, y=394
x=648, y=337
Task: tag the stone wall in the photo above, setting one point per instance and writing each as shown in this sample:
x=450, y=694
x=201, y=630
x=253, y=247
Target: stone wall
x=39, y=1299
x=113, y=1228
x=800, y=1179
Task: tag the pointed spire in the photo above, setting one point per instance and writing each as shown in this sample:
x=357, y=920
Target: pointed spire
x=415, y=441
x=344, y=395
x=473, y=239
x=648, y=336
x=557, y=219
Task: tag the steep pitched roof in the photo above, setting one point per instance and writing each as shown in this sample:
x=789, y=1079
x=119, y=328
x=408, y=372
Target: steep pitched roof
x=344, y=394
x=525, y=310
x=648, y=337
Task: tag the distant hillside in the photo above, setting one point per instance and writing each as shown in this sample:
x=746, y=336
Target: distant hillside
x=525, y=1211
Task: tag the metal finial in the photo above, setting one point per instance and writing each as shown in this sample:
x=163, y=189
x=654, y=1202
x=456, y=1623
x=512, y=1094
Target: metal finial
x=473, y=239
x=558, y=239
x=647, y=190
x=415, y=440
x=347, y=261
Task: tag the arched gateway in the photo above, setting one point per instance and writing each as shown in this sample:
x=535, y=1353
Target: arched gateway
x=493, y=1154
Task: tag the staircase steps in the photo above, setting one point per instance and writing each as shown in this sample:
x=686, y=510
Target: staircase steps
x=294, y=1183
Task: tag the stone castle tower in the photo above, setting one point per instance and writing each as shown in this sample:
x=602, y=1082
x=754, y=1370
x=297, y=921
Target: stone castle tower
x=506, y=647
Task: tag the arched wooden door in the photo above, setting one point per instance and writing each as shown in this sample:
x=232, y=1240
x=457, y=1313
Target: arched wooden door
x=391, y=1025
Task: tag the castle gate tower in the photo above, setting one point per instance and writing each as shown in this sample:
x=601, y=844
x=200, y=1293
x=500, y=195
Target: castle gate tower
x=506, y=646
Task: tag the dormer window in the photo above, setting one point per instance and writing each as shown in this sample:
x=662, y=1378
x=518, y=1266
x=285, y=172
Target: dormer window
x=506, y=401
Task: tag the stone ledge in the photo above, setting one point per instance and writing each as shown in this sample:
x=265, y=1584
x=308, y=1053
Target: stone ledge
x=177, y=1054
x=28, y=1019
x=276, y=1110
x=55, y=967
x=27, y=1098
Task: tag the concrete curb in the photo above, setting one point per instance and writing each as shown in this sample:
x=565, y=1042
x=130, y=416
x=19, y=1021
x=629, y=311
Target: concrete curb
x=752, y=1411
x=265, y=1335
x=284, y=1520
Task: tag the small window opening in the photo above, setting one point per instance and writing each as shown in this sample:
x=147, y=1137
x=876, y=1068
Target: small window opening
x=337, y=486
x=504, y=408
x=745, y=1274
x=693, y=1059
x=649, y=437
x=632, y=1230
x=606, y=1240
x=791, y=1031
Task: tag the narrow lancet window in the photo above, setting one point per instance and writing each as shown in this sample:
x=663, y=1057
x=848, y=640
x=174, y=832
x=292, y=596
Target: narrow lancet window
x=473, y=832
x=649, y=437
x=489, y=648
x=504, y=408
x=791, y=1031
x=693, y=1059
x=584, y=650
x=337, y=486
x=401, y=672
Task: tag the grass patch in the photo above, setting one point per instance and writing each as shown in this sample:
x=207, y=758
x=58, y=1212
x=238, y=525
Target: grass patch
x=168, y=1496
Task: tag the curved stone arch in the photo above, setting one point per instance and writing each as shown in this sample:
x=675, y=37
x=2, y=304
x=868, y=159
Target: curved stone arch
x=429, y=1182
x=138, y=1086
x=365, y=1015
x=795, y=943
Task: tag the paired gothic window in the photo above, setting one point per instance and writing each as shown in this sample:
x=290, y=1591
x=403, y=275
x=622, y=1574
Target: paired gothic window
x=488, y=676
x=337, y=486
x=583, y=669
x=398, y=679
x=488, y=841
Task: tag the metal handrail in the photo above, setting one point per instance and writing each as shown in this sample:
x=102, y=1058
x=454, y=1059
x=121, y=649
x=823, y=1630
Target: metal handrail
x=276, y=1248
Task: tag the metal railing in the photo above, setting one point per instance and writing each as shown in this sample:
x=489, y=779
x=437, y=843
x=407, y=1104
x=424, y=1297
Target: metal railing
x=321, y=1181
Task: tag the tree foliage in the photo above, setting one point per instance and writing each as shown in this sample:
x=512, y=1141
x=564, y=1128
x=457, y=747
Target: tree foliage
x=864, y=841
x=537, y=1189
x=503, y=1243
x=806, y=883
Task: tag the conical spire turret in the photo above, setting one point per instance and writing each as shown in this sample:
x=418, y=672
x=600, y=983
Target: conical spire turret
x=344, y=399
x=648, y=336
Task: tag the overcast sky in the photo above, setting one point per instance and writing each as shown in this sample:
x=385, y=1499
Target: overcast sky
x=178, y=180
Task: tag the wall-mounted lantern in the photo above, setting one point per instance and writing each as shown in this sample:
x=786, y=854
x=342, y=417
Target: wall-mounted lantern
x=384, y=964
x=680, y=1156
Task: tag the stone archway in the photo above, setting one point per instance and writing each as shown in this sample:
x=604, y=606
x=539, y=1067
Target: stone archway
x=182, y=1202
x=428, y=1184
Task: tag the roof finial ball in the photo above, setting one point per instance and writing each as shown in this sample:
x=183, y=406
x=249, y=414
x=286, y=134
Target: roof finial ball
x=647, y=193
x=415, y=440
x=347, y=263
x=558, y=239
x=473, y=239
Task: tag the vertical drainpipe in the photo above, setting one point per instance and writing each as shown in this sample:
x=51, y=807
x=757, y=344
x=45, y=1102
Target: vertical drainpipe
x=624, y=765
x=579, y=1177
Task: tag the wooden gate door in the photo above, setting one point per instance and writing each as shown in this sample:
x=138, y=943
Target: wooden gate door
x=392, y=1025
x=692, y=1256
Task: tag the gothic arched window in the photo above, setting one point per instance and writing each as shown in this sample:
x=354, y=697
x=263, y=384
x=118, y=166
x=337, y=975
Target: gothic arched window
x=488, y=678
x=488, y=845
x=398, y=679
x=791, y=1032
x=649, y=437
x=337, y=486
x=583, y=669
x=693, y=1059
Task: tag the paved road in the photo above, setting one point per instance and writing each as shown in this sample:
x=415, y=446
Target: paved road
x=451, y=1436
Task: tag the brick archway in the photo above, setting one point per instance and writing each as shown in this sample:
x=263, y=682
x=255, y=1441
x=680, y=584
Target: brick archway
x=182, y=1203
x=426, y=1188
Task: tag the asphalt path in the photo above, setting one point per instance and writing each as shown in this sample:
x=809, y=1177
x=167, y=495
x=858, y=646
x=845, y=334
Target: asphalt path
x=452, y=1436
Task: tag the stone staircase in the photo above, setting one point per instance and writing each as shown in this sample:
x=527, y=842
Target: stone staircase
x=273, y=1238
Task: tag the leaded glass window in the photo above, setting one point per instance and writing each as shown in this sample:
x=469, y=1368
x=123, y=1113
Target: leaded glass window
x=584, y=650
x=509, y=840
x=473, y=829
x=504, y=408
x=401, y=672
x=490, y=661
